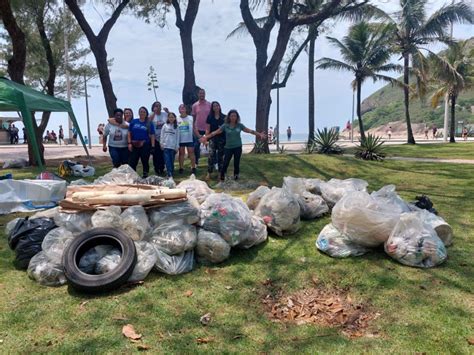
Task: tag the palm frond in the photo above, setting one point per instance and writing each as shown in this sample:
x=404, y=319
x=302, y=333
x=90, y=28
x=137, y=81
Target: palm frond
x=329, y=63
x=364, y=13
x=437, y=96
x=387, y=79
x=345, y=51
x=241, y=29
x=391, y=67
x=438, y=23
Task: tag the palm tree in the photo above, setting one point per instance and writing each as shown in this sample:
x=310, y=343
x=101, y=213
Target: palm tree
x=365, y=52
x=453, y=71
x=412, y=30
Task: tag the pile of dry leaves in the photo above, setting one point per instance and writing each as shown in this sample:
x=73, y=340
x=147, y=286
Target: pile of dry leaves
x=322, y=306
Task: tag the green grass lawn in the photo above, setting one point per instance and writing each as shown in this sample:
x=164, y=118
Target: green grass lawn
x=439, y=151
x=421, y=310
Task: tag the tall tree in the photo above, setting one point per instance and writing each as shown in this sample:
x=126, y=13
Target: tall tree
x=185, y=13
x=412, y=30
x=285, y=13
x=452, y=72
x=365, y=52
x=17, y=62
x=43, y=24
x=97, y=44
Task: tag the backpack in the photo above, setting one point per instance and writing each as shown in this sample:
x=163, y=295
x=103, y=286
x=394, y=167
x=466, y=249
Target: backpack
x=65, y=168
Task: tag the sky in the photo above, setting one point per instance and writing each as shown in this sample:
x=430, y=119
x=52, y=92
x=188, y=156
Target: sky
x=224, y=67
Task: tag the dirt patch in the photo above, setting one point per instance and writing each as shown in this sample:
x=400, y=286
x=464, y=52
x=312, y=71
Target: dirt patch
x=328, y=307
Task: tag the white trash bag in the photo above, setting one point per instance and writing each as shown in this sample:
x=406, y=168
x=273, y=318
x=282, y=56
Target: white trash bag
x=227, y=216
x=108, y=262
x=146, y=259
x=45, y=272
x=174, y=264
x=124, y=174
x=75, y=223
x=55, y=242
x=257, y=234
x=196, y=188
x=107, y=217
x=135, y=222
x=442, y=228
x=313, y=185
x=211, y=247
x=311, y=205
x=174, y=237
x=15, y=163
x=415, y=243
x=364, y=219
x=389, y=197
x=280, y=211
x=254, y=198
x=83, y=171
x=187, y=212
x=335, y=189
x=337, y=245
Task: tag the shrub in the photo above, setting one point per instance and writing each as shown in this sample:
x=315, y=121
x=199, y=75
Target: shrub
x=325, y=142
x=259, y=148
x=371, y=148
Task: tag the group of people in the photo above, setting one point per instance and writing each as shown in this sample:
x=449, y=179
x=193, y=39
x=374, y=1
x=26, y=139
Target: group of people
x=13, y=134
x=273, y=133
x=163, y=134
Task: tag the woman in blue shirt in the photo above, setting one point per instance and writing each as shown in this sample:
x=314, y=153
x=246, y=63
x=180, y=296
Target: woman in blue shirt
x=141, y=140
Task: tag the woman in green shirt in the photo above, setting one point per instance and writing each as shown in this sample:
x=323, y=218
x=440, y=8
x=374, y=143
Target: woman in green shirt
x=232, y=129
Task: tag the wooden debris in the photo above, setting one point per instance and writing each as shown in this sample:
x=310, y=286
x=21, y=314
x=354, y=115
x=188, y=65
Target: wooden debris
x=91, y=197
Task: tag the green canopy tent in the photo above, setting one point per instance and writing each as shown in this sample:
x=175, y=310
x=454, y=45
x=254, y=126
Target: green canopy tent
x=22, y=99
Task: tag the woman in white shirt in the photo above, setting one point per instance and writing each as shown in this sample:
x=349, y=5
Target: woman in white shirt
x=186, y=131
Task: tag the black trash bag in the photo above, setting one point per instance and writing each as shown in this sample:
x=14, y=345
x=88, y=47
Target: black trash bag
x=26, y=238
x=425, y=203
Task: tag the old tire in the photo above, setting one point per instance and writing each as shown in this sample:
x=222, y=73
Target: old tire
x=104, y=282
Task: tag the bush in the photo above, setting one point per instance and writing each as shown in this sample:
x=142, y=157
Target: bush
x=259, y=148
x=325, y=142
x=371, y=148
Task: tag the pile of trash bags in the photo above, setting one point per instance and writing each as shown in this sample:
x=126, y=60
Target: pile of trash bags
x=411, y=233
x=204, y=228
x=361, y=221
x=168, y=239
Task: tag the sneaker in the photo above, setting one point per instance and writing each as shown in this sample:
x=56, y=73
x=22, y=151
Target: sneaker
x=193, y=171
x=236, y=177
x=180, y=170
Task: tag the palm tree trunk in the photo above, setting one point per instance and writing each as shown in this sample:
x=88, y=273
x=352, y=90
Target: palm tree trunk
x=359, y=116
x=406, y=94
x=452, y=129
x=311, y=89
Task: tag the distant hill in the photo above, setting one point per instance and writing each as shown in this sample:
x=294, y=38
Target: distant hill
x=386, y=105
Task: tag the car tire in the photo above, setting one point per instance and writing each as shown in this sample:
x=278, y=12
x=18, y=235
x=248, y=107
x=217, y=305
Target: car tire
x=105, y=282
